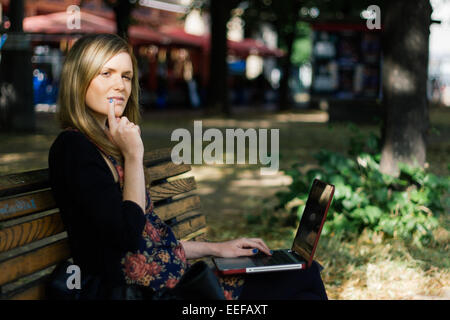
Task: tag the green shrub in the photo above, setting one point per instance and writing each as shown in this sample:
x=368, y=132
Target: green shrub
x=365, y=199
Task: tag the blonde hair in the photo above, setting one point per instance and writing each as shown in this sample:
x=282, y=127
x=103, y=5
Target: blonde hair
x=82, y=64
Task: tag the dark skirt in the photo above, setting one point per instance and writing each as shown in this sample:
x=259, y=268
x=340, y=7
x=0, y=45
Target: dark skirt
x=285, y=285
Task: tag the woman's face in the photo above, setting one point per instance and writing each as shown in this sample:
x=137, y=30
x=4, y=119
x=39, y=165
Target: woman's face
x=113, y=82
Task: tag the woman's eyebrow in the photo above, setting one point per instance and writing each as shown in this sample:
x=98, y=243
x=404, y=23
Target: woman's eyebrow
x=111, y=69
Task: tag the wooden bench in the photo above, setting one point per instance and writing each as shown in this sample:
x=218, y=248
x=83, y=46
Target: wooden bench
x=32, y=235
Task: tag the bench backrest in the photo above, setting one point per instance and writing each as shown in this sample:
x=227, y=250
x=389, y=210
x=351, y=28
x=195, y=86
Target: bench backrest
x=32, y=236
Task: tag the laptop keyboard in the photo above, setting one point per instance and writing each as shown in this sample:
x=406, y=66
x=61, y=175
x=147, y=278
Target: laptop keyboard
x=277, y=258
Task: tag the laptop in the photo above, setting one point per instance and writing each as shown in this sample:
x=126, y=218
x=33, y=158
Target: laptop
x=300, y=256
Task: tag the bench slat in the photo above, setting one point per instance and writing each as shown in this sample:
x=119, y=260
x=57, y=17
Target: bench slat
x=186, y=215
x=165, y=170
x=185, y=228
x=156, y=156
x=23, y=182
x=172, y=188
x=33, y=261
x=26, y=204
x=177, y=207
x=198, y=235
x=27, y=232
x=34, y=292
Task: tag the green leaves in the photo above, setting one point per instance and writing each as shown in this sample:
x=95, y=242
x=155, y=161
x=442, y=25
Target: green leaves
x=366, y=199
x=370, y=215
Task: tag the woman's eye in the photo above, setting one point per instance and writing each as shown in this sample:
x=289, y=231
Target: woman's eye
x=127, y=77
x=106, y=73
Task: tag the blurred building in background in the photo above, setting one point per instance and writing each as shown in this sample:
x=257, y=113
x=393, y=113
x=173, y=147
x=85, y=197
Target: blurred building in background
x=170, y=43
x=439, y=59
x=346, y=70
x=346, y=61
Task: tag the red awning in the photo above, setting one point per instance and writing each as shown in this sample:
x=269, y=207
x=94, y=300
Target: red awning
x=181, y=35
x=57, y=23
x=54, y=25
x=145, y=35
x=241, y=48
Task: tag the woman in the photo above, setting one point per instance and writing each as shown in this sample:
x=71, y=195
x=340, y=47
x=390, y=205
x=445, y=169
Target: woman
x=97, y=177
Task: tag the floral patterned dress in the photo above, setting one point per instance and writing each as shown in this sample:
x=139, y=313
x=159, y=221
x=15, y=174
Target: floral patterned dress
x=160, y=260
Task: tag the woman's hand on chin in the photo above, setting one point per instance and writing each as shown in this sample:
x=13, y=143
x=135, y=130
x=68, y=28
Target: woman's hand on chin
x=125, y=135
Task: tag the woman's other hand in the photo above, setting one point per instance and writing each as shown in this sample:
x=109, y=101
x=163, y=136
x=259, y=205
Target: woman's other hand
x=124, y=134
x=241, y=247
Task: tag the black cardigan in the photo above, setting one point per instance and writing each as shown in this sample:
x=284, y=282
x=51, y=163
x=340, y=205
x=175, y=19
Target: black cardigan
x=101, y=226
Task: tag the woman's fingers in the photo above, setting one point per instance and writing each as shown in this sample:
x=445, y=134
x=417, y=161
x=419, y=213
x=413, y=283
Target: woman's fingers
x=135, y=126
x=247, y=252
x=124, y=125
x=261, y=242
x=124, y=121
x=243, y=247
x=124, y=133
x=255, y=243
x=112, y=120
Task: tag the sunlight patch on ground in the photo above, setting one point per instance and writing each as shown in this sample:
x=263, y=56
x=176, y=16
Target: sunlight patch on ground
x=209, y=173
x=231, y=123
x=243, y=179
x=388, y=279
x=204, y=190
x=299, y=117
x=319, y=117
x=11, y=157
x=264, y=181
x=21, y=162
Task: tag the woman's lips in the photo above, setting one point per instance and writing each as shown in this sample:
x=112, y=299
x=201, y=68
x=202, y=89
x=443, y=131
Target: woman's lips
x=117, y=100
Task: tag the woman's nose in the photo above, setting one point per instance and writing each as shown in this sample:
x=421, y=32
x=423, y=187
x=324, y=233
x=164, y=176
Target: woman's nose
x=119, y=83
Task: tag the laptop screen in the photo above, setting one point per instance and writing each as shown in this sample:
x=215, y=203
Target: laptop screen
x=311, y=222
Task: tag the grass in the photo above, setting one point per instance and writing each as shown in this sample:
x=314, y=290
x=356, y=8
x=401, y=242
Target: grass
x=391, y=269
x=238, y=201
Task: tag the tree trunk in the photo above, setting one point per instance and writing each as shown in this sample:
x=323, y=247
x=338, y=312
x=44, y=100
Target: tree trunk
x=285, y=99
x=16, y=79
x=289, y=27
x=123, y=17
x=218, y=71
x=405, y=71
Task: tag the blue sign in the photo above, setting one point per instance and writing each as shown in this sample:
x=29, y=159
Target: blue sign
x=3, y=39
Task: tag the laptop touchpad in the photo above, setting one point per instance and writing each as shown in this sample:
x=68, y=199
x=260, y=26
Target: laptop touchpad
x=234, y=263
